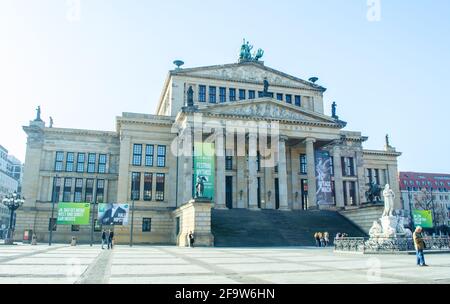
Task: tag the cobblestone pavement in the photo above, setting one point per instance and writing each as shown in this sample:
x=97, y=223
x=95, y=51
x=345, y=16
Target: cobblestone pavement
x=164, y=264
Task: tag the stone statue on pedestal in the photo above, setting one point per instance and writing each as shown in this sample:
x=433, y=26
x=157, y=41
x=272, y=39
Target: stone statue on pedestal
x=38, y=114
x=389, y=196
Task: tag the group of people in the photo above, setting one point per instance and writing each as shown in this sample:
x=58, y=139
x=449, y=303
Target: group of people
x=108, y=238
x=322, y=239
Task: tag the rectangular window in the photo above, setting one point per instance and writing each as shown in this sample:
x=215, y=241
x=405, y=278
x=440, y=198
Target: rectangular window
x=59, y=161
x=149, y=151
x=100, y=192
x=75, y=228
x=232, y=94
x=251, y=94
x=347, y=166
x=202, y=93
x=91, y=162
x=56, y=189
x=52, y=224
x=146, y=224
x=260, y=94
x=212, y=95
x=102, y=163
x=161, y=156
x=137, y=154
x=241, y=94
x=303, y=164
x=69, y=161
x=160, y=180
x=148, y=179
x=77, y=197
x=228, y=162
x=298, y=100
x=279, y=96
x=223, y=94
x=332, y=165
x=377, y=176
x=289, y=98
x=89, y=194
x=67, y=189
x=258, y=161
x=80, y=162
x=369, y=176
x=135, y=185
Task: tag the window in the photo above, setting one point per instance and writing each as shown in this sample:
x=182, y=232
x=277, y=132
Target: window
x=228, y=162
x=102, y=163
x=78, y=190
x=251, y=94
x=258, y=161
x=159, y=194
x=56, y=189
x=59, y=161
x=52, y=224
x=212, y=95
x=332, y=165
x=91, y=162
x=232, y=94
x=80, y=162
x=223, y=94
x=149, y=150
x=67, y=189
x=148, y=179
x=89, y=195
x=241, y=94
x=369, y=175
x=100, y=192
x=347, y=166
x=75, y=228
x=69, y=161
x=97, y=226
x=146, y=224
x=161, y=156
x=260, y=94
x=202, y=93
x=303, y=164
x=279, y=96
x=137, y=154
x=289, y=98
x=135, y=185
x=298, y=100
x=377, y=176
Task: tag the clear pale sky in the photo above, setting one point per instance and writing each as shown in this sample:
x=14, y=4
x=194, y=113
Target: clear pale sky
x=387, y=76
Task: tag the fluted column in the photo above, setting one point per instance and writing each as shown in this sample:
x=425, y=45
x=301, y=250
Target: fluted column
x=188, y=163
x=338, y=183
x=220, y=170
x=310, y=159
x=282, y=174
x=252, y=171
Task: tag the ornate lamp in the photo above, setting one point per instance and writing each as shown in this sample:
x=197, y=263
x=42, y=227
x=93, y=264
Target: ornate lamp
x=12, y=202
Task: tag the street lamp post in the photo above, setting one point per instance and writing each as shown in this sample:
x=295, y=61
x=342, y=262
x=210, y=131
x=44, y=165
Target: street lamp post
x=55, y=196
x=434, y=212
x=12, y=202
x=132, y=210
x=93, y=204
x=410, y=208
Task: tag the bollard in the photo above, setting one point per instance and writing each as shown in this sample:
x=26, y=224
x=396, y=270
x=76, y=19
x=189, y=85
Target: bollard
x=74, y=241
x=34, y=240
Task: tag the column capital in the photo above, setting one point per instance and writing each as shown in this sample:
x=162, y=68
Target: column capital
x=310, y=140
x=283, y=138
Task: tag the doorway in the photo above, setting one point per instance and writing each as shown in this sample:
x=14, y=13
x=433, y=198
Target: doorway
x=277, y=194
x=304, y=185
x=229, y=192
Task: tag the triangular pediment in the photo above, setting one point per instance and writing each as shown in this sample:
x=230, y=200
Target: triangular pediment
x=268, y=108
x=249, y=72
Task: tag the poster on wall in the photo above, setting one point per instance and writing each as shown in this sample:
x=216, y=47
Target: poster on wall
x=324, y=192
x=204, y=170
x=113, y=214
x=73, y=213
x=423, y=218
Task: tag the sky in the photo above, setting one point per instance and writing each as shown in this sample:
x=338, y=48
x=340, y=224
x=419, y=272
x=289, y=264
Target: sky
x=385, y=63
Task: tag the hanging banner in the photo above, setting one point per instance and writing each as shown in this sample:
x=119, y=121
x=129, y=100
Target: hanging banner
x=324, y=192
x=204, y=170
x=113, y=214
x=423, y=218
x=73, y=213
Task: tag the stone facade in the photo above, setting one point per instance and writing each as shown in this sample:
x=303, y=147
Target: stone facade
x=147, y=148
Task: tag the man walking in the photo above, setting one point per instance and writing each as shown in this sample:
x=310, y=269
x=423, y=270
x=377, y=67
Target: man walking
x=191, y=239
x=419, y=244
x=110, y=239
x=103, y=238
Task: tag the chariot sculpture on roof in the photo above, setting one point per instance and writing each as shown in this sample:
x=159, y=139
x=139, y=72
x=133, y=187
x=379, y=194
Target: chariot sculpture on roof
x=246, y=52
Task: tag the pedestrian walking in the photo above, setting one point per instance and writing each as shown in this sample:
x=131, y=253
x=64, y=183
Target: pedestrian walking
x=419, y=244
x=326, y=238
x=317, y=238
x=321, y=241
x=191, y=239
x=104, y=238
x=110, y=239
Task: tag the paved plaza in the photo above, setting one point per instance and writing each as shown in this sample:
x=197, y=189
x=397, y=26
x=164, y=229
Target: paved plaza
x=164, y=264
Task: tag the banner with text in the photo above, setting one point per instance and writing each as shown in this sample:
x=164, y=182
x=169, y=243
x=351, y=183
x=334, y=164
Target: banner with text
x=423, y=218
x=204, y=170
x=113, y=214
x=324, y=192
x=73, y=213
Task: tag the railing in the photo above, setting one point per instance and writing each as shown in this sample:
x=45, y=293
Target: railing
x=388, y=245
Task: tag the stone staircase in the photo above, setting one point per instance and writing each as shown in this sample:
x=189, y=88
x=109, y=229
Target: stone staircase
x=364, y=216
x=271, y=228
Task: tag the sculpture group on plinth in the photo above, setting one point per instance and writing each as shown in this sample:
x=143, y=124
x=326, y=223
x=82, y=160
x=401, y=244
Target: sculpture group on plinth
x=246, y=55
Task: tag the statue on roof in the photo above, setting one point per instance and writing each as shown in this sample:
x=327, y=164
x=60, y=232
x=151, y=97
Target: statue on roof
x=246, y=52
x=333, y=110
x=38, y=114
x=51, y=122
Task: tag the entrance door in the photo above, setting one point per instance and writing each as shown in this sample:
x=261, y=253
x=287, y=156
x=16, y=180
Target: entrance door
x=304, y=184
x=277, y=194
x=229, y=192
x=259, y=192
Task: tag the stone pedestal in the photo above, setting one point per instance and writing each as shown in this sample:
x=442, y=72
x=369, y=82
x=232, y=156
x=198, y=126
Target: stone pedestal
x=389, y=225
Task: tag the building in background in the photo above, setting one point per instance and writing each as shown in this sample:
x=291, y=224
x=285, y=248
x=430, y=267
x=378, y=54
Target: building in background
x=10, y=180
x=426, y=191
